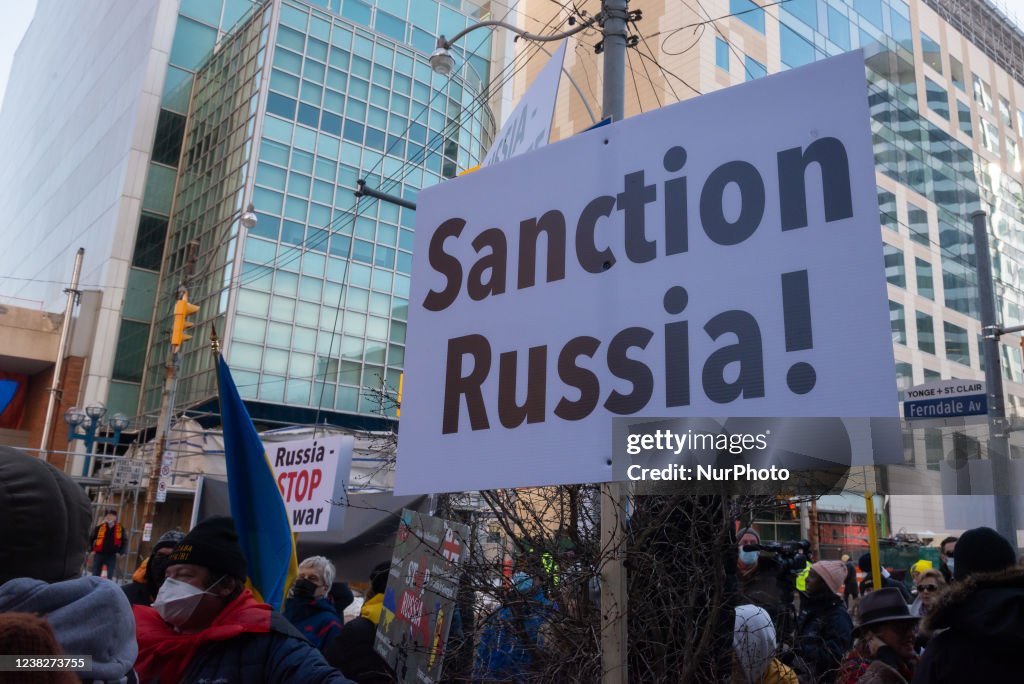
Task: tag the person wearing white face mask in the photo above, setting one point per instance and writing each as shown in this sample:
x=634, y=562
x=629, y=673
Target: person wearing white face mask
x=760, y=582
x=206, y=626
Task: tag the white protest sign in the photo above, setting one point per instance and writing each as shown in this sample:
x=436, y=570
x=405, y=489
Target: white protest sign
x=312, y=473
x=718, y=257
x=528, y=127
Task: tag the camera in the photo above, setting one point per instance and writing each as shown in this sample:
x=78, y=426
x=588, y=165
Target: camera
x=791, y=556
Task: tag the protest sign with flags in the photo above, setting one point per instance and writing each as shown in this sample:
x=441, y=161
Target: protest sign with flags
x=257, y=507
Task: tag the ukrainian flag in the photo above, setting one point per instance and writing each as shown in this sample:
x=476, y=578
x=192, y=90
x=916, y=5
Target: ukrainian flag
x=260, y=517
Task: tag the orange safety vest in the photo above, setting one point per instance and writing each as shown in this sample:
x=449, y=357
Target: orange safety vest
x=101, y=534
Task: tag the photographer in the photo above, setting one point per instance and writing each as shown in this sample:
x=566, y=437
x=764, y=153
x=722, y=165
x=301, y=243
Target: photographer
x=763, y=581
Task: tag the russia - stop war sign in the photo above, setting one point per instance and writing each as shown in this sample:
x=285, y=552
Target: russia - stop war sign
x=311, y=474
x=717, y=257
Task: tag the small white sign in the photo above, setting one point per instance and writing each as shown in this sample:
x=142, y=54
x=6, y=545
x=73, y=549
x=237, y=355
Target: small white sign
x=166, y=476
x=717, y=257
x=940, y=389
x=528, y=127
x=312, y=474
x=147, y=532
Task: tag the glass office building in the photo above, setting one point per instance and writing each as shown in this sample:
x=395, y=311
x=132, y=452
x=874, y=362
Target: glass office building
x=294, y=106
x=946, y=92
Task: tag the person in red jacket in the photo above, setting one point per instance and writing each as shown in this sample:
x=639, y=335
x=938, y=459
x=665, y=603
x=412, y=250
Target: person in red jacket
x=205, y=626
x=107, y=541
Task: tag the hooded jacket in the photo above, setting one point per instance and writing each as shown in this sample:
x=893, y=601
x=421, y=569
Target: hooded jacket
x=983, y=619
x=89, y=616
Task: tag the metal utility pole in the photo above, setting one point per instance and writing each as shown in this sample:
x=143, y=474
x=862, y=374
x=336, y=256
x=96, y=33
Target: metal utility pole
x=614, y=633
x=998, y=444
x=62, y=350
x=163, y=426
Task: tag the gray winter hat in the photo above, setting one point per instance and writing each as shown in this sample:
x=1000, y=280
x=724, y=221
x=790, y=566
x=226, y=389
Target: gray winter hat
x=47, y=517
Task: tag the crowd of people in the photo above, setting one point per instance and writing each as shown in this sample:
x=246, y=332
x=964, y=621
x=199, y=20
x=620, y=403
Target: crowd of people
x=188, y=616
x=964, y=622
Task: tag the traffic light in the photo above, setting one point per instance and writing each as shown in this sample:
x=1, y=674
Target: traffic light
x=794, y=512
x=182, y=310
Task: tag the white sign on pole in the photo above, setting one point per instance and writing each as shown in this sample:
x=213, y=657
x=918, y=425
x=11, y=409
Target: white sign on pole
x=312, y=474
x=166, y=476
x=718, y=257
x=528, y=127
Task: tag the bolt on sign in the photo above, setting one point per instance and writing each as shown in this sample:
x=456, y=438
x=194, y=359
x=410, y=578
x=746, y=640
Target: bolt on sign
x=420, y=598
x=312, y=474
x=718, y=257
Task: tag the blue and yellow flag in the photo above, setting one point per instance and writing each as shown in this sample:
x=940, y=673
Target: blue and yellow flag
x=260, y=517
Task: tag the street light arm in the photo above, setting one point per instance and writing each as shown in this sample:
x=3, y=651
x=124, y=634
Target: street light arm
x=587, y=23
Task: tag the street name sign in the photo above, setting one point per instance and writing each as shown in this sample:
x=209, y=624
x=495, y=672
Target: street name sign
x=717, y=257
x=946, y=399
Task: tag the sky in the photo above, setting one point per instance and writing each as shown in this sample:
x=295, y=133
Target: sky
x=15, y=16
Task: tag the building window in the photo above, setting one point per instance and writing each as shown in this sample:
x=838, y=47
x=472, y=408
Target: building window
x=925, y=282
x=963, y=115
x=956, y=73
x=1013, y=155
x=898, y=323
x=938, y=99
x=170, y=130
x=895, y=272
x=130, y=357
x=931, y=52
x=925, y=332
x=990, y=136
x=754, y=69
x=721, y=54
x=904, y=377
x=838, y=28
x=982, y=94
x=1004, y=113
x=933, y=448
x=887, y=210
x=149, y=242
x=917, y=219
x=749, y=13
x=804, y=10
x=794, y=48
x=957, y=347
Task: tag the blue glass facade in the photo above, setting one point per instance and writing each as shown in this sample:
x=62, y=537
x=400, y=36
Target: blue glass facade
x=312, y=300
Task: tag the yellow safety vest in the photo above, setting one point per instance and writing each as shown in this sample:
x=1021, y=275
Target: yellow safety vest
x=801, y=579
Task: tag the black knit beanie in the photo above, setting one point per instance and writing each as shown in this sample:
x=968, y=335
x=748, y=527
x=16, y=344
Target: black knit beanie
x=46, y=517
x=981, y=550
x=213, y=544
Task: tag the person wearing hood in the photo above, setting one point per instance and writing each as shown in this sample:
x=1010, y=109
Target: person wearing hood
x=753, y=641
x=981, y=616
x=148, y=579
x=41, y=564
x=206, y=626
x=352, y=652
x=512, y=635
x=308, y=607
x=824, y=630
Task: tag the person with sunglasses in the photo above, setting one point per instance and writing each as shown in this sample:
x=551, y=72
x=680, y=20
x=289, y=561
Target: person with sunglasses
x=930, y=585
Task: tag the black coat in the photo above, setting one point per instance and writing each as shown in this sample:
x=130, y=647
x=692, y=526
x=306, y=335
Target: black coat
x=983, y=619
x=352, y=653
x=824, y=633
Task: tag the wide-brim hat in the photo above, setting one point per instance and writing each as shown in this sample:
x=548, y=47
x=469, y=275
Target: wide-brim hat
x=882, y=605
